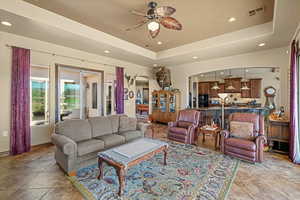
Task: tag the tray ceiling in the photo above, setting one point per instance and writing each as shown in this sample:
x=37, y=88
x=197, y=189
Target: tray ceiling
x=201, y=19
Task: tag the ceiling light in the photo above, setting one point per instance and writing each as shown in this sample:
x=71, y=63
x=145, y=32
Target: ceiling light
x=6, y=23
x=222, y=73
x=106, y=51
x=159, y=42
x=155, y=65
x=262, y=44
x=202, y=75
x=231, y=19
x=195, y=57
x=247, y=70
x=287, y=52
x=153, y=26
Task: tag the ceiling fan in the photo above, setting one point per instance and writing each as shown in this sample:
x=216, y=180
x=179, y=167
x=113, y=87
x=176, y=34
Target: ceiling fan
x=155, y=17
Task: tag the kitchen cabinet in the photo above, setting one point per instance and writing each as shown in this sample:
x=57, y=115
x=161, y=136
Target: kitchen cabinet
x=213, y=93
x=222, y=88
x=203, y=88
x=235, y=82
x=246, y=93
x=255, y=88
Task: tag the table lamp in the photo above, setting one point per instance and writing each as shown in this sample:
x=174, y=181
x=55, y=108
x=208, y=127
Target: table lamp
x=223, y=96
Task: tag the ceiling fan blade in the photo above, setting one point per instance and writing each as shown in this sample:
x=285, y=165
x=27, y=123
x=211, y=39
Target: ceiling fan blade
x=137, y=25
x=171, y=23
x=153, y=34
x=165, y=11
x=135, y=12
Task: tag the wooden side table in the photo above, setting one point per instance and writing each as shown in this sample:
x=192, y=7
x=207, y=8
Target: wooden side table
x=215, y=133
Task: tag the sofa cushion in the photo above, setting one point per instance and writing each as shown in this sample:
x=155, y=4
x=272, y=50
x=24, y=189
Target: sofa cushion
x=242, y=130
x=115, y=122
x=100, y=126
x=179, y=130
x=183, y=124
x=76, y=129
x=131, y=135
x=127, y=124
x=241, y=143
x=89, y=146
x=111, y=140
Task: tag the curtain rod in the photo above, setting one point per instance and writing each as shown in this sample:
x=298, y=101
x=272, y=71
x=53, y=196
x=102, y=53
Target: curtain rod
x=64, y=56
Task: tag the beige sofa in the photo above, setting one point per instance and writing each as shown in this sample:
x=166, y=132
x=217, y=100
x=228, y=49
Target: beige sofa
x=78, y=141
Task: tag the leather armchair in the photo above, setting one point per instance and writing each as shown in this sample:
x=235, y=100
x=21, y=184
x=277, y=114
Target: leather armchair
x=185, y=128
x=245, y=149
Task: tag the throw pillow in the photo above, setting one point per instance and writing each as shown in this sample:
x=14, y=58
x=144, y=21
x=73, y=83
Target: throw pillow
x=242, y=130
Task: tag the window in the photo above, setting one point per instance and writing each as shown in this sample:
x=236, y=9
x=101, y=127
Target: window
x=70, y=98
x=39, y=95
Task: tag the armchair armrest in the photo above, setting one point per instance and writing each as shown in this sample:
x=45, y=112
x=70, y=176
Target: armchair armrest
x=224, y=135
x=142, y=127
x=64, y=144
x=260, y=141
x=172, y=124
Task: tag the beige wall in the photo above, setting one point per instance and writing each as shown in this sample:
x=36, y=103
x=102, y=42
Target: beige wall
x=270, y=58
x=42, y=134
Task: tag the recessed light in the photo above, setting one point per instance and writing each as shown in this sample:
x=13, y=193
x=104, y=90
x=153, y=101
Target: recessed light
x=195, y=57
x=106, y=51
x=5, y=23
x=262, y=44
x=222, y=73
x=231, y=19
x=159, y=43
x=155, y=65
x=287, y=52
x=247, y=70
x=202, y=75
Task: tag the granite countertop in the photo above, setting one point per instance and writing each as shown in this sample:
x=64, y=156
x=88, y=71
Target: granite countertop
x=232, y=108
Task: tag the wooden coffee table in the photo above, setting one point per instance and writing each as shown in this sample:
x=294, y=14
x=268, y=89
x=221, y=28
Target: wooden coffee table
x=121, y=161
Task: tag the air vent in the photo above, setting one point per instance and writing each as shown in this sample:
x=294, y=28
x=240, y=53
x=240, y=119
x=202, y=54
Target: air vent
x=256, y=11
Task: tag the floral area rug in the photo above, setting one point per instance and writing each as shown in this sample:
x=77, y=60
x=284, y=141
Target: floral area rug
x=191, y=173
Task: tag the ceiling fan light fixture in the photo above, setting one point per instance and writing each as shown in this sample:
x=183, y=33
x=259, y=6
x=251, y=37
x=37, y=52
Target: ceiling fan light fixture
x=153, y=26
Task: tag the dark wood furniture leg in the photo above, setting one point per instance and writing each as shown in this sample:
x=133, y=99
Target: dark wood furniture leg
x=203, y=140
x=165, y=156
x=121, y=175
x=216, y=141
x=100, y=165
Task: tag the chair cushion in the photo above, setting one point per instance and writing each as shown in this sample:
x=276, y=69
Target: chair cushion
x=242, y=130
x=89, y=146
x=183, y=124
x=241, y=143
x=75, y=129
x=100, y=126
x=131, y=135
x=127, y=124
x=111, y=140
x=178, y=130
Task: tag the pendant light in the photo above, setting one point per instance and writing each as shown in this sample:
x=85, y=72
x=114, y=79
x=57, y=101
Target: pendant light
x=244, y=81
x=216, y=86
x=230, y=86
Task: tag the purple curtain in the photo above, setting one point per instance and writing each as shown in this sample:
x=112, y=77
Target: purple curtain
x=294, y=109
x=120, y=90
x=20, y=136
